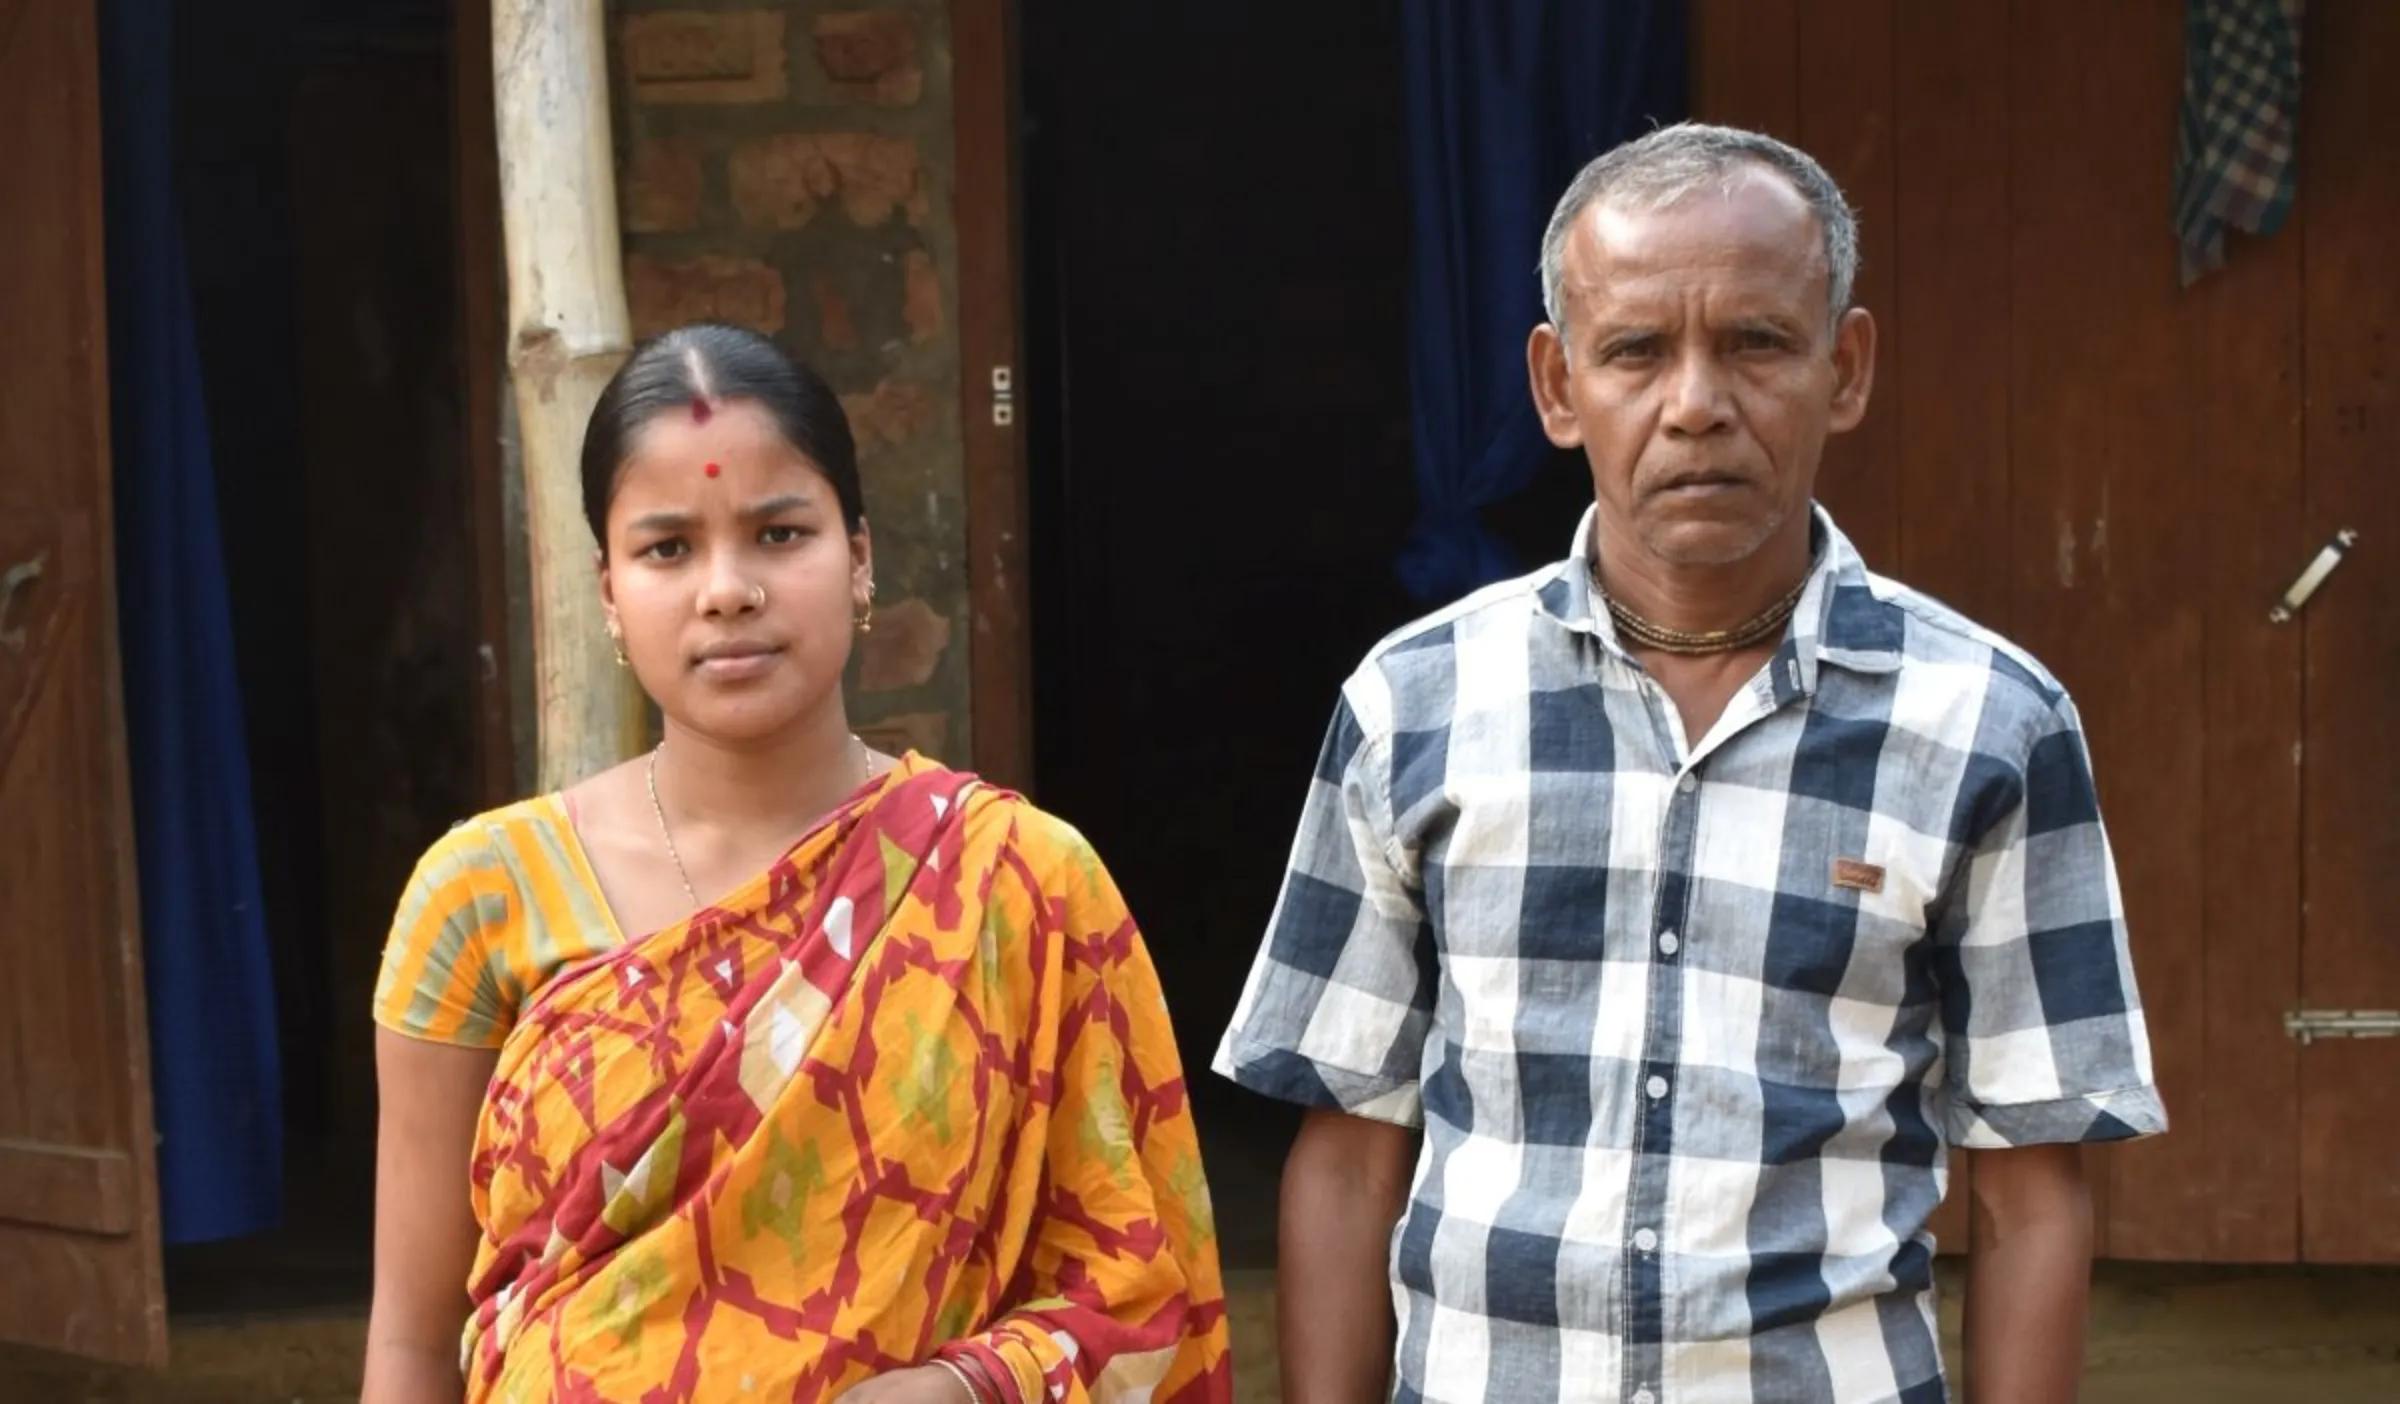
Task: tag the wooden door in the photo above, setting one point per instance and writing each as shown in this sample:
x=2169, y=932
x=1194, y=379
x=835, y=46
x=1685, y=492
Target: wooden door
x=2350, y=955
x=79, y=1255
x=2123, y=475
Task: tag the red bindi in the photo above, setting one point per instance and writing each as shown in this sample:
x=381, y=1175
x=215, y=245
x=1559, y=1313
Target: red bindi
x=711, y=470
x=700, y=409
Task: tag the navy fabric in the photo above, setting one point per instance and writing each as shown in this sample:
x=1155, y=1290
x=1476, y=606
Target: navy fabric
x=1507, y=99
x=215, y=1068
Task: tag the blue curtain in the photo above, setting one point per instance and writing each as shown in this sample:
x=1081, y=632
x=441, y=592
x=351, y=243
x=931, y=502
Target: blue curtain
x=1507, y=99
x=216, y=1073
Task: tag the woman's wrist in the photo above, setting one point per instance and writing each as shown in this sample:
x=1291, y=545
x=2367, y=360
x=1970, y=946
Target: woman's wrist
x=966, y=1382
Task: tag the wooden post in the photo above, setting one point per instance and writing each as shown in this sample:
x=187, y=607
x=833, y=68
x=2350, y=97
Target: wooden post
x=568, y=332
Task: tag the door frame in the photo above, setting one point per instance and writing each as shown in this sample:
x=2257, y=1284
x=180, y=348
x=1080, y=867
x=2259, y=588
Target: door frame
x=501, y=771
x=80, y=1219
x=992, y=389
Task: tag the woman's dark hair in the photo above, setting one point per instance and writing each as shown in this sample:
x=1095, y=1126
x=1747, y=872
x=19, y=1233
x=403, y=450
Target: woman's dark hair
x=690, y=369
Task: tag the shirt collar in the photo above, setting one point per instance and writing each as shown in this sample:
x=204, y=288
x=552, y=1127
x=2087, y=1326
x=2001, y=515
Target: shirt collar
x=1841, y=620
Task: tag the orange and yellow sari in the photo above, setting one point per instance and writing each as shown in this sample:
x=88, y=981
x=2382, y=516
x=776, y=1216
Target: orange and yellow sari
x=912, y=1093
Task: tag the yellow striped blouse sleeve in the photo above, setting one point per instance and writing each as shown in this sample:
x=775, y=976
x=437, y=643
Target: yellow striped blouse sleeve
x=446, y=965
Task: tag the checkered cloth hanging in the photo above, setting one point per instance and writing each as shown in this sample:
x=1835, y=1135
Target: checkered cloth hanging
x=2235, y=157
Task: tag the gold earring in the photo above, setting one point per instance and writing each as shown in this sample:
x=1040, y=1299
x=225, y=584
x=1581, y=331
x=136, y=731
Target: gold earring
x=866, y=619
x=616, y=638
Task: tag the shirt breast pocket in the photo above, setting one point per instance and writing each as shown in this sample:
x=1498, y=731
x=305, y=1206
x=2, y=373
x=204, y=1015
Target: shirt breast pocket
x=1851, y=920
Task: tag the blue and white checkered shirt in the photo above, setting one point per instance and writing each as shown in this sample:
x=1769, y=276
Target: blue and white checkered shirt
x=1691, y=1026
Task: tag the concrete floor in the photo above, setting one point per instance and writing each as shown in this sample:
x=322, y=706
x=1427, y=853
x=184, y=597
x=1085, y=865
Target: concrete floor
x=2159, y=1336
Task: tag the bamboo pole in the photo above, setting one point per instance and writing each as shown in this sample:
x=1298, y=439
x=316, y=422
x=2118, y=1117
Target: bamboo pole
x=568, y=332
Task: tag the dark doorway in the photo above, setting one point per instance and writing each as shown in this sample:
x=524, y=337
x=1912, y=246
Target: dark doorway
x=1216, y=246
x=320, y=196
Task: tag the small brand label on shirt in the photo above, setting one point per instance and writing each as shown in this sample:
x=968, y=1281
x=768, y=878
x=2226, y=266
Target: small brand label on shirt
x=1857, y=874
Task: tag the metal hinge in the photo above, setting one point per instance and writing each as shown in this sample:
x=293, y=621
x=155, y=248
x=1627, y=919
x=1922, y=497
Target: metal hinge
x=2309, y=1025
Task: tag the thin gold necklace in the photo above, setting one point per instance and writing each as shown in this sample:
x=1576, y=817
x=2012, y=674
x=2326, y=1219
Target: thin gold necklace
x=866, y=770
x=1765, y=624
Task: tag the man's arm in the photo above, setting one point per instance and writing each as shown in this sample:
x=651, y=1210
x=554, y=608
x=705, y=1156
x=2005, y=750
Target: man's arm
x=2029, y=1261
x=1335, y=1017
x=1344, y=1186
x=2046, y=1050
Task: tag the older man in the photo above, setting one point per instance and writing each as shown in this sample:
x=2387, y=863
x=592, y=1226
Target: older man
x=1695, y=896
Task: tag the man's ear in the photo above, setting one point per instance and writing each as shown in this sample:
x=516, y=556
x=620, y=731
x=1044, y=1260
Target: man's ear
x=1546, y=367
x=1853, y=369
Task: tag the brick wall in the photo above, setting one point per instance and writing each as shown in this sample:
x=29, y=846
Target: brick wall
x=788, y=166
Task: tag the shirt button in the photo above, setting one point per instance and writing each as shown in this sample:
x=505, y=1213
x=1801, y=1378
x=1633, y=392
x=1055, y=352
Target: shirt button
x=1668, y=944
x=1657, y=1088
x=1688, y=783
x=1645, y=1240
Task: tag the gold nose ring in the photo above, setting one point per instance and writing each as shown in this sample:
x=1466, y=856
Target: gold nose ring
x=758, y=597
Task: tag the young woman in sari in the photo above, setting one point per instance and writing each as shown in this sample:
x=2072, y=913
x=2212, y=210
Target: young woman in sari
x=763, y=1066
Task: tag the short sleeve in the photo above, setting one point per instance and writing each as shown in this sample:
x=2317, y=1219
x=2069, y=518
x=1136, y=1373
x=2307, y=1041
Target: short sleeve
x=445, y=976
x=2042, y=1019
x=1340, y=1000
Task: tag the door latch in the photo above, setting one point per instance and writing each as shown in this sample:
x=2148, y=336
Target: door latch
x=2309, y=1025
x=2312, y=577
x=1004, y=396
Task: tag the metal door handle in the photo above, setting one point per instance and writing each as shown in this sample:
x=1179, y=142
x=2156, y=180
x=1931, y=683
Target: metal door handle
x=2312, y=577
x=21, y=574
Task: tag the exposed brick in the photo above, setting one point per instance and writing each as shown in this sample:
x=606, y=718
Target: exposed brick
x=922, y=305
x=663, y=294
x=663, y=185
x=904, y=649
x=879, y=175
x=838, y=329
x=888, y=416
x=714, y=56
x=869, y=56
x=780, y=181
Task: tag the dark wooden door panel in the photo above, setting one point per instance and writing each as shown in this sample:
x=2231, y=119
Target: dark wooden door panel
x=2238, y=1118
x=78, y=1197
x=2108, y=468
x=1846, y=107
x=2350, y=188
x=2102, y=522
x=1949, y=406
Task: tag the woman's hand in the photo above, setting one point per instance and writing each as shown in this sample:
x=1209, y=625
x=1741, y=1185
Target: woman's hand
x=926, y=1384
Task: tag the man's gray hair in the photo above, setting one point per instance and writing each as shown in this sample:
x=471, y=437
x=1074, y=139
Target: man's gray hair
x=1657, y=170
